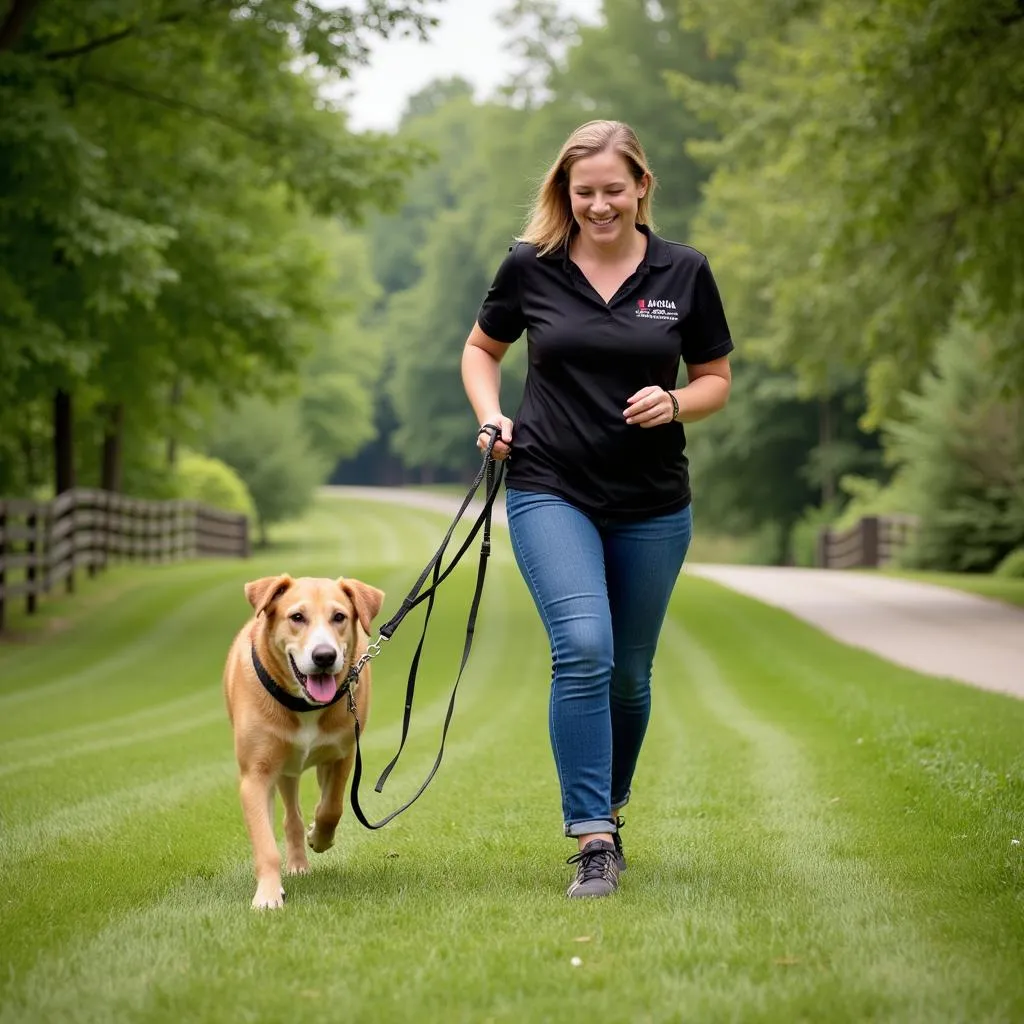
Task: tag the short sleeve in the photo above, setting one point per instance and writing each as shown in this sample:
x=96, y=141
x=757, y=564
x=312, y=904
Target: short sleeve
x=501, y=314
x=705, y=331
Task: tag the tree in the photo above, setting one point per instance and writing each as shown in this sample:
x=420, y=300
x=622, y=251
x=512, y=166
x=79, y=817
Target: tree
x=773, y=453
x=151, y=159
x=958, y=452
x=867, y=174
x=435, y=258
x=264, y=443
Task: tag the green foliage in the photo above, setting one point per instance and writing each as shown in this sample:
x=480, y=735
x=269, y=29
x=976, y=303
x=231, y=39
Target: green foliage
x=766, y=545
x=266, y=446
x=619, y=69
x=1012, y=566
x=871, y=497
x=867, y=175
x=803, y=538
x=339, y=377
x=772, y=453
x=444, y=246
x=960, y=455
x=212, y=482
x=161, y=166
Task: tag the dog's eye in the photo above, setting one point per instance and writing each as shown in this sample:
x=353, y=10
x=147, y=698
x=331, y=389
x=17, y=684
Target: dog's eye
x=297, y=617
x=338, y=617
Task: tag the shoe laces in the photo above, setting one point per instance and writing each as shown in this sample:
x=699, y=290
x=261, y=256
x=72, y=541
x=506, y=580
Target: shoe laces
x=595, y=861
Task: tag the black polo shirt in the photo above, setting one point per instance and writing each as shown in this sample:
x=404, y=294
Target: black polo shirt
x=586, y=357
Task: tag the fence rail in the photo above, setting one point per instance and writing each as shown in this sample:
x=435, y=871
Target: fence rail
x=46, y=543
x=872, y=542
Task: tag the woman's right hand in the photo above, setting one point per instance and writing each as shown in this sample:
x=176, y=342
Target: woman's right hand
x=503, y=446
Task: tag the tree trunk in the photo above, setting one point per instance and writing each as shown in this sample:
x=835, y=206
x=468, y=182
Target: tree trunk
x=63, y=446
x=172, y=441
x=28, y=455
x=113, y=438
x=15, y=21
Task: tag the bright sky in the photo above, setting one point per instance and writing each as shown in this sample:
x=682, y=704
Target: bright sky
x=467, y=42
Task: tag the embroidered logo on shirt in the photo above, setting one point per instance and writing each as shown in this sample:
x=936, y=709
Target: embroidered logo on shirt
x=656, y=309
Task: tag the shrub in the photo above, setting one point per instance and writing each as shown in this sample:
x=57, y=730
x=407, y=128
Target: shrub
x=212, y=482
x=1012, y=566
x=803, y=538
x=960, y=453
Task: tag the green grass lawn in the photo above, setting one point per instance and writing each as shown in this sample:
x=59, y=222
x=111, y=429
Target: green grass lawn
x=1003, y=589
x=815, y=835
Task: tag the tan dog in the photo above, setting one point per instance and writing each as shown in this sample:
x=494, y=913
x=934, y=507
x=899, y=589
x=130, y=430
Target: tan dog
x=289, y=712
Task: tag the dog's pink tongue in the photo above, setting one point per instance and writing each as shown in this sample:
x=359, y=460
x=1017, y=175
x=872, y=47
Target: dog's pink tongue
x=321, y=688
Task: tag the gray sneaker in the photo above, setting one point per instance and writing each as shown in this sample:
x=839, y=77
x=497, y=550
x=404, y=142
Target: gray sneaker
x=620, y=857
x=597, y=870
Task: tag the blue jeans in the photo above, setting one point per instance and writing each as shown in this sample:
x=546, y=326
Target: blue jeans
x=602, y=588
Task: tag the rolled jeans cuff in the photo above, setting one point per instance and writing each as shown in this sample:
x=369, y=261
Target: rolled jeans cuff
x=586, y=828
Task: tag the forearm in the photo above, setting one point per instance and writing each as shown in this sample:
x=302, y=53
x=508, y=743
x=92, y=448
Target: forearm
x=481, y=377
x=701, y=397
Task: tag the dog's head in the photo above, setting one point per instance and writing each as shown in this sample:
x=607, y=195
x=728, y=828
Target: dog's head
x=311, y=626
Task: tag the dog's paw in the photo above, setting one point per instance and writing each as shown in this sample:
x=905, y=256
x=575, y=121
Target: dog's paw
x=298, y=866
x=319, y=840
x=268, y=897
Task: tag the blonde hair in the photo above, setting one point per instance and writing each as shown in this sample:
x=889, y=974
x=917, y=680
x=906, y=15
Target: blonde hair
x=551, y=224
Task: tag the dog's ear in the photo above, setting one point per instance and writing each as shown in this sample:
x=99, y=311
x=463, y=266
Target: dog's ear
x=367, y=600
x=262, y=593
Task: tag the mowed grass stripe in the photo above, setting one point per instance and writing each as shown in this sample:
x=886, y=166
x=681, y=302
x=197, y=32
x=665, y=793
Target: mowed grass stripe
x=367, y=878
x=928, y=777
x=456, y=910
x=432, y=703
x=863, y=920
x=138, y=943
x=164, y=949
x=100, y=761
x=846, y=911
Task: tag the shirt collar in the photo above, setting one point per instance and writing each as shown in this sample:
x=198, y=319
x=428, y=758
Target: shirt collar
x=659, y=252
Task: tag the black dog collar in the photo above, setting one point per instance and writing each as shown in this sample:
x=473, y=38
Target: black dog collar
x=282, y=696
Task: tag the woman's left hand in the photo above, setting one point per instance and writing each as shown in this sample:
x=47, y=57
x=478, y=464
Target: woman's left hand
x=649, y=407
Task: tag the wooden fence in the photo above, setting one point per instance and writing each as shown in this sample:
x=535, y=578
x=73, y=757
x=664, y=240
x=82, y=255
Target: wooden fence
x=43, y=544
x=872, y=542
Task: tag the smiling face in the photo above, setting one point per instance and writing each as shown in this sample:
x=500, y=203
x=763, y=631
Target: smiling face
x=312, y=629
x=314, y=633
x=605, y=193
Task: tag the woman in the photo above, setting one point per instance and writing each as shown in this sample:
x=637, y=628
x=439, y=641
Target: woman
x=598, y=494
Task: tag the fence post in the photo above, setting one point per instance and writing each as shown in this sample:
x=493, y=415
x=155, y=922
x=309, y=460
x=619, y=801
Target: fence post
x=246, y=550
x=47, y=546
x=824, y=537
x=90, y=517
x=30, y=569
x=869, y=542
x=69, y=581
x=100, y=530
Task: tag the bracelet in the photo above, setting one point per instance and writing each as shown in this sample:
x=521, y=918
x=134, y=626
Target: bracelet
x=675, y=405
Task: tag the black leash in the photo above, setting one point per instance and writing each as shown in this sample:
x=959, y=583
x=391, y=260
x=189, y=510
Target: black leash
x=490, y=471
